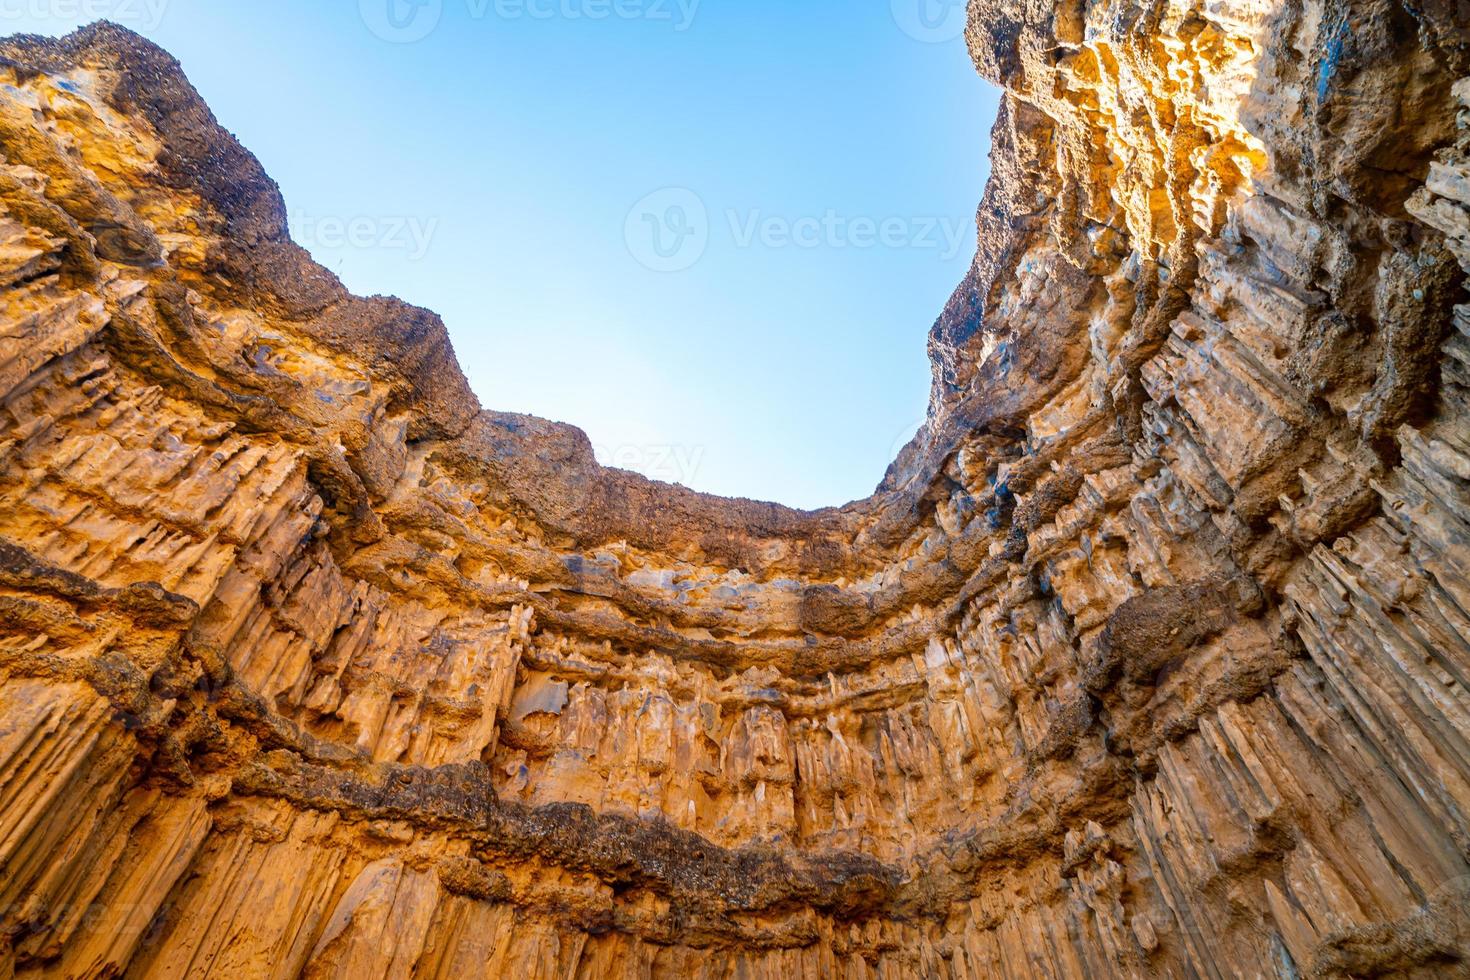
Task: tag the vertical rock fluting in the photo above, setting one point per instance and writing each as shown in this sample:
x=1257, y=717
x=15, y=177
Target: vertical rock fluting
x=1149, y=656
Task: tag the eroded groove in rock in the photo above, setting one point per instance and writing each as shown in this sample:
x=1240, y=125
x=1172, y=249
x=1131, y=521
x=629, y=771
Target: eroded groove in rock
x=1149, y=656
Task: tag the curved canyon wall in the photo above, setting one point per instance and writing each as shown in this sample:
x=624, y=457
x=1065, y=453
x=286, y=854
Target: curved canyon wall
x=1150, y=656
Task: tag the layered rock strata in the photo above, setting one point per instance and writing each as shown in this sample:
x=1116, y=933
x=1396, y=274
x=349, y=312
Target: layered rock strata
x=1148, y=658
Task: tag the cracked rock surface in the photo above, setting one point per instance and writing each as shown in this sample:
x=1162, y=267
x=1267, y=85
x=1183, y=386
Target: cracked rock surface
x=1149, y=657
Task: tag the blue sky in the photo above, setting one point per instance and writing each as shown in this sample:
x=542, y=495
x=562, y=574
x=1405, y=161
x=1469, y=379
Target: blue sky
x=711, y=233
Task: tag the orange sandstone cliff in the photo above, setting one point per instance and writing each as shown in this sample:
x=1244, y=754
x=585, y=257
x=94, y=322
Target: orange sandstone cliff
x=1149, y=657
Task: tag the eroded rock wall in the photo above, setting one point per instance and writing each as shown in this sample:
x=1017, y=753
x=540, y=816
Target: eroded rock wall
x=1149, y=656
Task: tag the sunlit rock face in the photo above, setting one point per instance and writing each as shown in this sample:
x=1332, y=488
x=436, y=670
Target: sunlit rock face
x=1148, y=658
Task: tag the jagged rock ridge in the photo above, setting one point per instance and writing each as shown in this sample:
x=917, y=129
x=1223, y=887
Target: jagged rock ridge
x=1149, y=656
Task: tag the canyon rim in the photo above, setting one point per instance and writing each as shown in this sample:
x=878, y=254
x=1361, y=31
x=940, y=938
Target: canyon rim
x=1149, y=657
